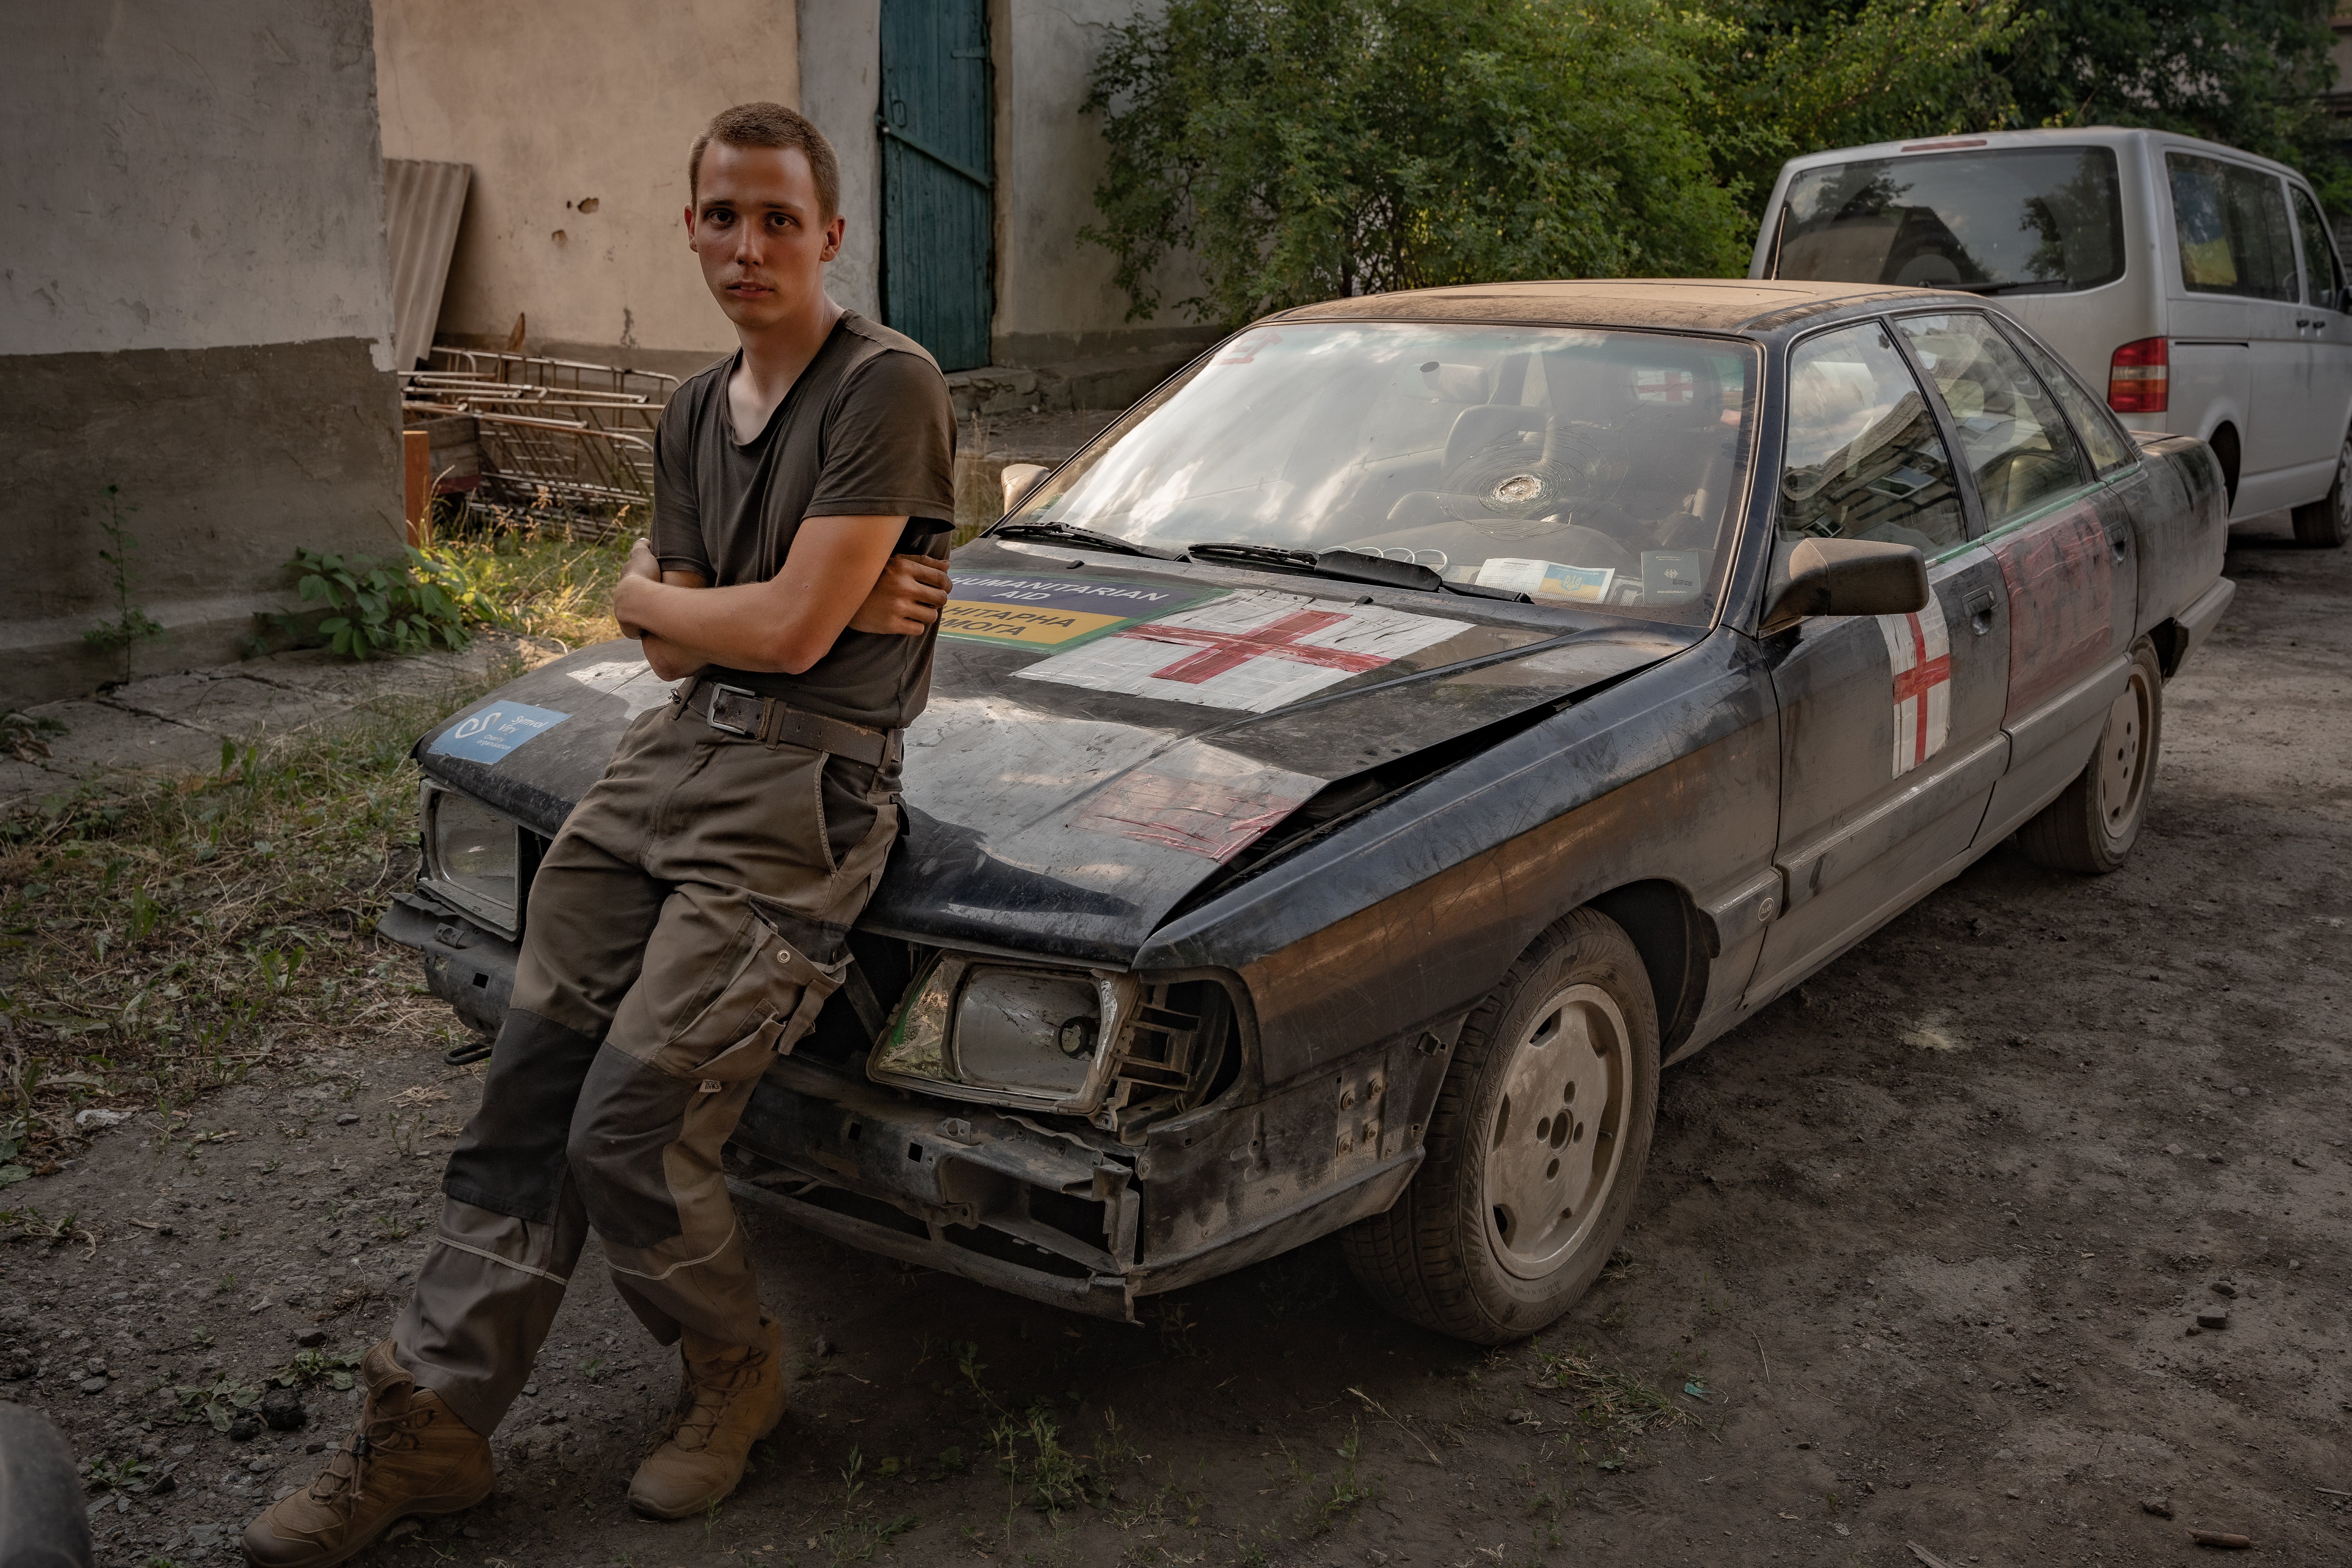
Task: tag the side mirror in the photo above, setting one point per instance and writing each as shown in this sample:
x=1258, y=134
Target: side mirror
x=2344, y=299
x=1020, y=479
x=1847, y=577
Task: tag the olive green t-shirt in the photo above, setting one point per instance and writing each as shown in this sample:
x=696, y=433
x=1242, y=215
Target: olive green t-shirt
x=865, y=431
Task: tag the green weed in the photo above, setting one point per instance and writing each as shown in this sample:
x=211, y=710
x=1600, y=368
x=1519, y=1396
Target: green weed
x=219, y=1402
x=131, y=625
x=311, y=1369
x=860, y=1533
x=1607, y=1398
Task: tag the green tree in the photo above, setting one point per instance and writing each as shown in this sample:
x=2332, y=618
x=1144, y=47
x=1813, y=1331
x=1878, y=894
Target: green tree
x=1813, y=74
x=1304, y=149
x=1803, y=75
x=2249, y=73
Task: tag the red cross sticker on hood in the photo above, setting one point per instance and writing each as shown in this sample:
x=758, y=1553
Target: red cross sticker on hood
x=1254, y=650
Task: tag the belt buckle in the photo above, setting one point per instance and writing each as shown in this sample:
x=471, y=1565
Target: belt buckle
x=711, y=715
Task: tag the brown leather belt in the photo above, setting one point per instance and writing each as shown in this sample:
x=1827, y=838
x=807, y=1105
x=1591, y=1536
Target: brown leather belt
x=771, y=723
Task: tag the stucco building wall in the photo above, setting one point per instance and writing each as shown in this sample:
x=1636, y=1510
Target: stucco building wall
x=841, y=83
x=576, y=116
x=197, y=312
x=1055, y=300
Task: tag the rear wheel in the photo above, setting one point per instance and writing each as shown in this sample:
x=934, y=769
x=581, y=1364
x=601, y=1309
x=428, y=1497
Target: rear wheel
x=2091, y=827
x=1535, y=1149
x=2328, y=523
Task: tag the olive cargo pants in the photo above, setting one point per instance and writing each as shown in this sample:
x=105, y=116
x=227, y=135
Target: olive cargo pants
x=684, y=930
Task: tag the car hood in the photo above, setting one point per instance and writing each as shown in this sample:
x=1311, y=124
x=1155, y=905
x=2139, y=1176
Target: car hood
x=1103, y=734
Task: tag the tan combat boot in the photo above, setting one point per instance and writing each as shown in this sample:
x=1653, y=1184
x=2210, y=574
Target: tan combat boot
x=411, y=1454
x=732, y=1396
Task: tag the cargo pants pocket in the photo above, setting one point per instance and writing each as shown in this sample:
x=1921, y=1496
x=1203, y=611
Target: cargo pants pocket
x=647, y=1142
x=756, y=978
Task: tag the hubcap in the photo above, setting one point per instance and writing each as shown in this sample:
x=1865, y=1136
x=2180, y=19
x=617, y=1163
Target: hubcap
x=2122, y=756
x=1557, y=1136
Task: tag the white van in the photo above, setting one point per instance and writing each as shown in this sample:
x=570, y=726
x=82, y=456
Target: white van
x=2196, y=283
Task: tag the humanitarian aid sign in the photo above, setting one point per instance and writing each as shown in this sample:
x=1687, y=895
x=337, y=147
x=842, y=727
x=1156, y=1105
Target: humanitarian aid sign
x=1053, y=612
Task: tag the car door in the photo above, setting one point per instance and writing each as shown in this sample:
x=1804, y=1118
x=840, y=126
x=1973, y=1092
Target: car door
x=2326, y=399
x=2061, y=541
x=2234, y=322
x=1890, y=725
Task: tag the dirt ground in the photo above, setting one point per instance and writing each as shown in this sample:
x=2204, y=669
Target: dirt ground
x=1920, y=1258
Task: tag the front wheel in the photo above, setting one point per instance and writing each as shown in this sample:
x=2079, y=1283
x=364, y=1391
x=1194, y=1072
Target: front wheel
x=2326, y=524
x=2091, y=827
x=1535, y=1149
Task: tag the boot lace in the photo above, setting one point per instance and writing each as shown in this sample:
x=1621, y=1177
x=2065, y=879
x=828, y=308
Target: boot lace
x=711, y=1387
x=380, y=1431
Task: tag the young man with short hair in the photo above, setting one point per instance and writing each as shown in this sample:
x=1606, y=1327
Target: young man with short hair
x=690, y=918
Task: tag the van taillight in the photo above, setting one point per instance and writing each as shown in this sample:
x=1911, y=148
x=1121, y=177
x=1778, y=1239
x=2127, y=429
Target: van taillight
x=2139, y=378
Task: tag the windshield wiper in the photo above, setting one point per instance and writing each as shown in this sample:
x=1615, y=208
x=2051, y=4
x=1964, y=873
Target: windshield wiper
x=1349, y=566
x=2051, y=285
x=1087, y=537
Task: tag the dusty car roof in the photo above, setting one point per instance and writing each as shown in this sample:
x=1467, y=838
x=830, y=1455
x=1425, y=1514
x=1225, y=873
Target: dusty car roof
x=1702, y=304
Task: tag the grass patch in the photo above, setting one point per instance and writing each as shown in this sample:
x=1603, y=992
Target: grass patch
x=1608, y=1399
x=536, y=579
x=163, y=938
x=860, y=1531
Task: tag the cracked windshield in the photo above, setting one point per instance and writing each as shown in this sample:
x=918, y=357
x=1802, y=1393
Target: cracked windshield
x=1576, y=468
x=2029, y=221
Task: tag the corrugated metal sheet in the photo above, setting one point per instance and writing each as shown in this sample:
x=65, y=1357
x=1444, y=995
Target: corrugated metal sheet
x=423, y=203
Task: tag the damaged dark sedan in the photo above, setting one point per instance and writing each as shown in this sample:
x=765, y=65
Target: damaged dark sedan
x=1349, y=780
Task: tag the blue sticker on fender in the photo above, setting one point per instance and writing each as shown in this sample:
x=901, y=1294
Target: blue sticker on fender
x=491, y=734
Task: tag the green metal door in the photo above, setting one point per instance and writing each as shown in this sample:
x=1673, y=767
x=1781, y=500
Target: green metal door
x=938, y=209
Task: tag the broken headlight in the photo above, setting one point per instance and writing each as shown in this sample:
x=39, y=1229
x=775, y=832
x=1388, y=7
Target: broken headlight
x=1071, y=1042
x=473, y=858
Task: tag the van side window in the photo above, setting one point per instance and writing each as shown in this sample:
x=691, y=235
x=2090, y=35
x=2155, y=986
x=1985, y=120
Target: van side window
x=2101, y=436
x=2323, y=273
x=2010, y=435
x=1864, y=460
x=2231, y=224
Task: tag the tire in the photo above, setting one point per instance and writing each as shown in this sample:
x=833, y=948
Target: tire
x=2324, y=524
x=1562, y=1057
x=2091, y=827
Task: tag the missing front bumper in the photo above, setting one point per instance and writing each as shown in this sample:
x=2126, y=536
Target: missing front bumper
x=1035, y=1210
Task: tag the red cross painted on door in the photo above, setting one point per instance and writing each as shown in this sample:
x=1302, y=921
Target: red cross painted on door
x=1919, y=662
x=1224, y=651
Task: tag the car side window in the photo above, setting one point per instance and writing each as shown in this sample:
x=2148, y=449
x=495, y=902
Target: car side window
x=2232, y=225
x=2101, y=436
x=2011, y=437
x=2323, y=273
x=1864, y=460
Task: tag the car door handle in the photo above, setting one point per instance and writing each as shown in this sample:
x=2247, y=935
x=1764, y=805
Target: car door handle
x=1978, y=605
x=2116, y=544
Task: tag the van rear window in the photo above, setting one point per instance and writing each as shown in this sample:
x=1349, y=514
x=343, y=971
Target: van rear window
x=2027, y=220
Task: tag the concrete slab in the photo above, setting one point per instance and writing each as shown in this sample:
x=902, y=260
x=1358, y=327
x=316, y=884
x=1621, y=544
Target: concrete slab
x=22, y=784
x=176, y=723
x=425, y=674
x=101, y=738
x=233, y=706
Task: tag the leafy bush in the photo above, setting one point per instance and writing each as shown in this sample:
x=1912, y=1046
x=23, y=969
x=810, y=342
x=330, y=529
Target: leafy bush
x=1809, y=76
x=371, y=607
x=1300, y=150
x=1316, y=148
